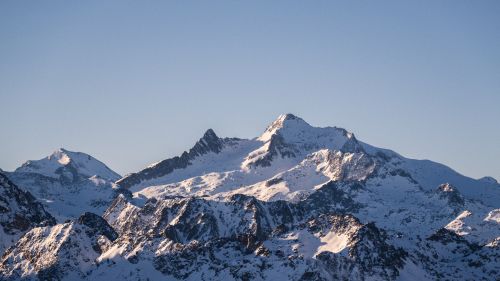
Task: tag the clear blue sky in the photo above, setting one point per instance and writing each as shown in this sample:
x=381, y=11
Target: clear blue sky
x=134, y=82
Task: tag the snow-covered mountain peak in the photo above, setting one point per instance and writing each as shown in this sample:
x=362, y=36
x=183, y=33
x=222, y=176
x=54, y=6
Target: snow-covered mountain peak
x=293, y=130
x=67, y=183
x=285, y=124
x=68, y=164
x=61, y=156
x=291, y=137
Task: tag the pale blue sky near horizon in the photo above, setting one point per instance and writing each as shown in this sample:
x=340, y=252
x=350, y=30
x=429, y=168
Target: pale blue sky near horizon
x=135, y=82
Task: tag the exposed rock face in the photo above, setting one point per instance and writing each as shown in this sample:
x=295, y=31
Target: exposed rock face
x=65, y=251
x=276, y=147
x=186, y=238
x=290, y=136
x=208, y=143
x=345, y=166
x=98, y=225
x=19, y=212
x=451, y=194
x=446, y=236
x=183, y=220
x=368, y=252
x=447, y=250
x=245, y=238
x=332, y=196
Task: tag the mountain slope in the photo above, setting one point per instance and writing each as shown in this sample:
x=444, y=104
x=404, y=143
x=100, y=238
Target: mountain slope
x=68, y=166
x=196, y=239
x=19, y=212
x=68, y=183
x=64, y=251
x=226, y=153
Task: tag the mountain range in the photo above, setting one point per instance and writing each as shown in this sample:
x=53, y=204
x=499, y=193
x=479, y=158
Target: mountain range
x=296, y=203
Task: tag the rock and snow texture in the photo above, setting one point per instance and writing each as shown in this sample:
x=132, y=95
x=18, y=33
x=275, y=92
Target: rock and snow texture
x=64, y=251
x=241, y=238
x=296, y=203
x=68, y=183
x=289, y=160
x=19, y=212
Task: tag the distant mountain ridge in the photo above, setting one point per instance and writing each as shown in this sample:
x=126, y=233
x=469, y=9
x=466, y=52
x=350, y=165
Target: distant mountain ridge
x=68, y=183
x=69, y=166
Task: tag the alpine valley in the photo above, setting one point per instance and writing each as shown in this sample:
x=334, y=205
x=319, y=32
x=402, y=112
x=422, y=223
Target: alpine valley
x=295, y=203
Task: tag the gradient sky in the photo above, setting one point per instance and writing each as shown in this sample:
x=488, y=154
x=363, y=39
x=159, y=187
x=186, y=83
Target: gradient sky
x=134, y=82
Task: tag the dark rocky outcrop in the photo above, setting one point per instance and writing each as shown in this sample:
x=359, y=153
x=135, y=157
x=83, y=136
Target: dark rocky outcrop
x=98, y=225
x=332, y=197
x=451, y=194
x=277, y=147
x=210, y=142
x=19, y=210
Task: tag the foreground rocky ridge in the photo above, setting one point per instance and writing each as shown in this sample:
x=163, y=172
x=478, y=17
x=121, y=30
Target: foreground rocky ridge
x=19, y=212
x=62, y=252
x=197, y=239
